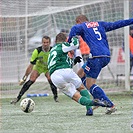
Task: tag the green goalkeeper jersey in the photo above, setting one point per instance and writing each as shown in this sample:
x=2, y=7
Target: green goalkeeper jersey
x=58, y=57
x=39, y=58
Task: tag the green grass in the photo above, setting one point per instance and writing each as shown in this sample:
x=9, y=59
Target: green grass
x=66, y=116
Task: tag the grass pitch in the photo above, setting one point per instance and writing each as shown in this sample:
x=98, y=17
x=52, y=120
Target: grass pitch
x=66, y=116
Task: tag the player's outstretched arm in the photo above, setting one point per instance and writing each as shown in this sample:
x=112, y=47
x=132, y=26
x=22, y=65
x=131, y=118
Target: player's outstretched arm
x=28, y=71
x=67, y=47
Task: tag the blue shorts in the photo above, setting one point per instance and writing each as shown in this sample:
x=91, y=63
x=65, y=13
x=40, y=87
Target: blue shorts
x=93, y=66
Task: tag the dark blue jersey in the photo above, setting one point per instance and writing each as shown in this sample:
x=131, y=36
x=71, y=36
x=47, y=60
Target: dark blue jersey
x=94, y=34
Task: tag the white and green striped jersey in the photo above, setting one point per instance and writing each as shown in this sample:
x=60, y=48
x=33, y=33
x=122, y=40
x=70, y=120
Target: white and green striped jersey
x=58, y=57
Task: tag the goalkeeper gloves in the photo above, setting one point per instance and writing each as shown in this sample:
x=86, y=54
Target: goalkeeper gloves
x=22, y=81
x=77, y=59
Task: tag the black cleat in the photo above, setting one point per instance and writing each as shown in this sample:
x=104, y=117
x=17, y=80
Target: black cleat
x=56, y=98
x=14, y=101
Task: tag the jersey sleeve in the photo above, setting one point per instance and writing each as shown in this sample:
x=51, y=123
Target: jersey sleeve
x=109, y=26
x=34, y=56
x=66, y=47
x=75, y=30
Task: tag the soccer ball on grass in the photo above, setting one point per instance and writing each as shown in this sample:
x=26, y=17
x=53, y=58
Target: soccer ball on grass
x=27, y=105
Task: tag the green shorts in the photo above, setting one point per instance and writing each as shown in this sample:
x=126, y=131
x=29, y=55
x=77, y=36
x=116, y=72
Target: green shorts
x=40, y=69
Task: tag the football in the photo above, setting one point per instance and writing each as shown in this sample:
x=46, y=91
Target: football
x=27, y=105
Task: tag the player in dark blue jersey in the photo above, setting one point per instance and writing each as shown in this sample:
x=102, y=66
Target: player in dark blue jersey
x=94, y=34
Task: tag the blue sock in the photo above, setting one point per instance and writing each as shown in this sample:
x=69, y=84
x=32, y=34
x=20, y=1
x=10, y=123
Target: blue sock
x=84, y=81
x=98, y=93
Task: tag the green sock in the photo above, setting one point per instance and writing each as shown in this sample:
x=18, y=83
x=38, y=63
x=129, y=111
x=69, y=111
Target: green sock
x=86, y=94
x=85, y=101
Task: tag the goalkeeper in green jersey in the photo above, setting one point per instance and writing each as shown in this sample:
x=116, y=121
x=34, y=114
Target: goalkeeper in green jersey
x=37, y=66
x=62, y=74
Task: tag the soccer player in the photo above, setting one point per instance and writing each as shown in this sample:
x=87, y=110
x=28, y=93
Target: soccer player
x=62, y=74
x=85, y=52
x=37, y=66
x=94, y=34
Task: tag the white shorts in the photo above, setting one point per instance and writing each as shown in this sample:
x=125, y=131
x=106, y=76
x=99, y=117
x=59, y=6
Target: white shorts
x=66, y=80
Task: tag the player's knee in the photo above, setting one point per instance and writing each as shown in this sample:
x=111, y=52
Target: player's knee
x=33, y=78
x=76, y=96
x=81, y=88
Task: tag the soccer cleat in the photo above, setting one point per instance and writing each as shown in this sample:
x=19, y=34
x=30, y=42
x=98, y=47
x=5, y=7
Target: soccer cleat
x=89, y=112
x=97, y=102
x=111, y=110
x=14, y=101
x=56, y=98
x=108, y=104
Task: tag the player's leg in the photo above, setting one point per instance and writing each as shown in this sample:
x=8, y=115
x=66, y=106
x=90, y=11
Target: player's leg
x=87, y=102
x=71, y=91
x=92, y=71
x=34, y=75
x=54, y=90
x=81, y=74
x=52, y=86
x=98, y=93
x=70, y=82
x=63, y=80
x=84, y=92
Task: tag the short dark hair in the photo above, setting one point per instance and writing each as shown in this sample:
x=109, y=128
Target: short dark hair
x=46, y=37
x=61, y=37
x=64, y=30
x=82, y=18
